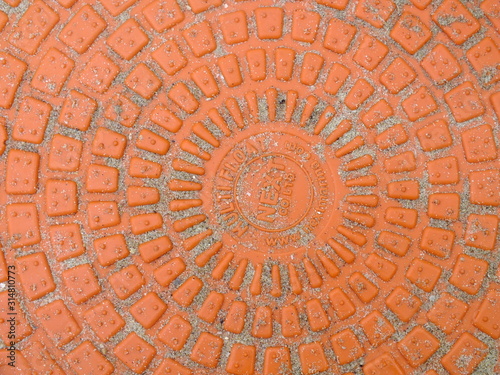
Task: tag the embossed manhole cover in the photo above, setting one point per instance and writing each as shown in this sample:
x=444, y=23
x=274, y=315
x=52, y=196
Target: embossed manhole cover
x=249, y=187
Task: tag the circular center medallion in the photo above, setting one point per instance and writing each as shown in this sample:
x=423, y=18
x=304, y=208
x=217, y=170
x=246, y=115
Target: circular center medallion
x=272, y=190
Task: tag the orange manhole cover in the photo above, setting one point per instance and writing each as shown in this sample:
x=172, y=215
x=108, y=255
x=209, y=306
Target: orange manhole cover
x=249, y=187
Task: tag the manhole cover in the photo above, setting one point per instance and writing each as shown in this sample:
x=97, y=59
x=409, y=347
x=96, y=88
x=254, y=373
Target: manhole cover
x=249, y=187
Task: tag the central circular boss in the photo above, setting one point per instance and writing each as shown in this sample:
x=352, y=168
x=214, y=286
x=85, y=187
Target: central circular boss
x=273, y=192
x=271, y=189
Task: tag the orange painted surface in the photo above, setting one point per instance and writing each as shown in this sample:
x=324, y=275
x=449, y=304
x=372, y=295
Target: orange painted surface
x=250, y=187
